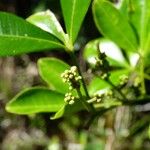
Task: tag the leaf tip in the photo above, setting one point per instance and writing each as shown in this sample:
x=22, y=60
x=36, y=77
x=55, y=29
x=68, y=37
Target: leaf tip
x=8, y=107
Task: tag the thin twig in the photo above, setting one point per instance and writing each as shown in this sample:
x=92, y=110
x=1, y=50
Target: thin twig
x=90, y=106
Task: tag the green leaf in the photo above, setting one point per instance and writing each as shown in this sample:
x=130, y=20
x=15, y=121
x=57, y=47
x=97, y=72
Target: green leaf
x=97, y=84
x=59, y=114
x=138, y=14
x=35, y=100
x=17, y=36
x=109, y=48
x=74, y=12
x=140, y=19
x=50, y=70
x=68, y=110
x=113, y=25
x=125, y=8
x=47, y=21
x=114, y=77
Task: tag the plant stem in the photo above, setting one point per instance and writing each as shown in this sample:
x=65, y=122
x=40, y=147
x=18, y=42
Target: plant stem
x=84, y=103
x=118, y=91
x=95, y=115
x=90, y=107
x=83, y=82
x=137, y=102
x=133, y=102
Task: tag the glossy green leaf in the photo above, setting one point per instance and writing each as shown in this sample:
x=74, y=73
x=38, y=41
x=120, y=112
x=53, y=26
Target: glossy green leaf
x=50, y=70
x=140, y=19
x=68, y=110
x=113, y=25
x=139, y=16
x=59, y=114
x=138, y=12
x=125, y=7
x=17, y=36
x=109, y=48
x=99, y=85
x=74, y=12
x=35, y=100
x=48, y=22
x=114, y=77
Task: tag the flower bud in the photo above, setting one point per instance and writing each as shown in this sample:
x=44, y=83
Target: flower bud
x=71, y=102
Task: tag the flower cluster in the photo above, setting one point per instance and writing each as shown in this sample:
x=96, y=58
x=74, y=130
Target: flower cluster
x=123, y=79
x=103, y=65
x=137, y=81
x=72, y=77
x=99, y=97
x=99, y=62
x=69, y=98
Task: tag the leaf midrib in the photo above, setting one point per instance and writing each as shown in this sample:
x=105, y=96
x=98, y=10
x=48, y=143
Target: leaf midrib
x=32, y=38
x=23, y=110
x=39, y=107
x=72, y=20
